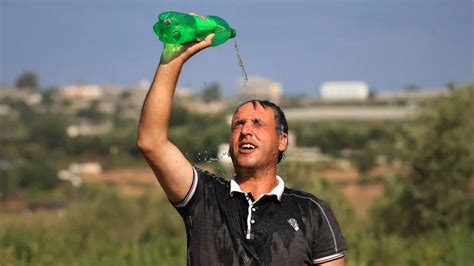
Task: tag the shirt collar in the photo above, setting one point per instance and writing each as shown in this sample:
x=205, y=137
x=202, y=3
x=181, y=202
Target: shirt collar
x=277, y=191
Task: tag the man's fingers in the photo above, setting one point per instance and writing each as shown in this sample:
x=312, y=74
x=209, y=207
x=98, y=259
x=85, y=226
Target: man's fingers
x=207, y=41
x=186, y=50
x=196, y=47
x=210, y=37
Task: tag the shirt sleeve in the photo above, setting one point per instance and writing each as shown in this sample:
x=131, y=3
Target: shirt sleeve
x=189, y=205
x=328, y=242
x=203, y=186
x=191, y=191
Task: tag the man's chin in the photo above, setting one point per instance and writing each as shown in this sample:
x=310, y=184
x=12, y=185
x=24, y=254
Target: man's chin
x=247, y=163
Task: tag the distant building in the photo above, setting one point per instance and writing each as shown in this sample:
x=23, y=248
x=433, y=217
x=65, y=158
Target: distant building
x=415, y=95
x=76, y=170
x=298, y=153
x=82, y=92
x=344, y=91
x=260, y=88
x=184, y=93
x=136, y=94
x=4, y=109
x=86, y=129
x=351, y=113
x=26, y=96
x=206, y=108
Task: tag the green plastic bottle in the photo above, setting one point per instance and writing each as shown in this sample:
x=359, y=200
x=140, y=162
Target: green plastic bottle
x=178, y=28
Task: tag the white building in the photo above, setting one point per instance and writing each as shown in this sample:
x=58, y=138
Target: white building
x=4, y=109
x=184, y=93
x=417, y=95
x=83, y=92
x=76, y=170
x=86, y=129
x=344, y=91
x=260, y=88
x=26, y=96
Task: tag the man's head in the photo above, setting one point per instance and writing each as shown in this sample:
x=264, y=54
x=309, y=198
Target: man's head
x=259, y=134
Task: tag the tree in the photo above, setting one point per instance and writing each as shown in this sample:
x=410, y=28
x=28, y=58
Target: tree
x=211, y=93
x=49, y=131
x=412, y=88
x=180, y=116
x=27, y=80
x=48, y=95
x=5, y=183
x=437, y=193
x=37, y=175
x=92, y=112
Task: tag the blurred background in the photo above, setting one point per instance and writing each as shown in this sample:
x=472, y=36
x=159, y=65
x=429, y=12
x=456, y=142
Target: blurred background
x=379, y=96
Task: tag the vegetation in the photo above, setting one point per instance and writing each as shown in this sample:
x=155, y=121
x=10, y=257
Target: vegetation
x=28, y=80
x=102, y=228
x=211, y=92
x=424, y=218
x=437, y=192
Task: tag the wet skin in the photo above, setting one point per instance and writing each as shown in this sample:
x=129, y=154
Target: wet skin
x=254, y=141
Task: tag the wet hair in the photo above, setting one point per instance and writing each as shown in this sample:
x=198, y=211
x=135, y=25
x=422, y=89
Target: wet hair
x=280, y=119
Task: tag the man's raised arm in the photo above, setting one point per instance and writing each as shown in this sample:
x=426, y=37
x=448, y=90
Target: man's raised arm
x=173, y=171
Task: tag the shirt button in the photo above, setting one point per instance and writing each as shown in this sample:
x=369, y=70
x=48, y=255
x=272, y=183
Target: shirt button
x=252, y=221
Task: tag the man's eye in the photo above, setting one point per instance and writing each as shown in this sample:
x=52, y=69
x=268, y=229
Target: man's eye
x=237, y=124
x=257, y=122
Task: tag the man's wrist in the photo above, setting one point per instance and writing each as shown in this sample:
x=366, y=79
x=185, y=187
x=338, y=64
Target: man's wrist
x=174, y=65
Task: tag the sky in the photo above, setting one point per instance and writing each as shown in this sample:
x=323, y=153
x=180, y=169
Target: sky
x=300, y=44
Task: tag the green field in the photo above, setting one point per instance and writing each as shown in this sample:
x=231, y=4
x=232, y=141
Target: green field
x=424, y=214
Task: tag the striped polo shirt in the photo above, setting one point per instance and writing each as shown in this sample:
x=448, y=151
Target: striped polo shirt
x=227, y=226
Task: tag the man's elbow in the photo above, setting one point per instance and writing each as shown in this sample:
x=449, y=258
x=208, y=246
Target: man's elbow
x=147, y=144
x=143, y=145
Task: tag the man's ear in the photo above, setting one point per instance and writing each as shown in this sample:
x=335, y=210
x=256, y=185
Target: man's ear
x=283, y=145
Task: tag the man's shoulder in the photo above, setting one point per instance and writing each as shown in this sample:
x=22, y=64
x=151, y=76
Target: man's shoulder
x=303, y=197
x=209, y=177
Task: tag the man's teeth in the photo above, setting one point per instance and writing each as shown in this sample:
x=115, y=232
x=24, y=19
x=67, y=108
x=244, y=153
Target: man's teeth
x=248, y=146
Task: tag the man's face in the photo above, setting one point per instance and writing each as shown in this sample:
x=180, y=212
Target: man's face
x=254, y=141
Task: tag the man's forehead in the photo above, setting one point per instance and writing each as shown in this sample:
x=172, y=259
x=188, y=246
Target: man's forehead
x=252, y=105
x=250, y=109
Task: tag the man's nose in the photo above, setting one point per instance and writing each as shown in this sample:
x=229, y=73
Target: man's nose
x=247, y=128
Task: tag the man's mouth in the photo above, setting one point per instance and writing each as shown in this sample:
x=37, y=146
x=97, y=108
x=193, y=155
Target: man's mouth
x=247, y=147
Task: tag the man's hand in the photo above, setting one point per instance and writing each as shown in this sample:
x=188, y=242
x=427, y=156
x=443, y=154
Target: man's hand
x=182, y=52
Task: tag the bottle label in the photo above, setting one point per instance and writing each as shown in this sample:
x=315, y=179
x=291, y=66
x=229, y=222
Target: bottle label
x=204, y=27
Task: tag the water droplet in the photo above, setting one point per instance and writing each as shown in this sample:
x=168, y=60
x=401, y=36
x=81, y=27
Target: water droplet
x=241, y=64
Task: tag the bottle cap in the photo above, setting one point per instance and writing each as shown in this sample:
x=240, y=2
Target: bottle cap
x=232, y=33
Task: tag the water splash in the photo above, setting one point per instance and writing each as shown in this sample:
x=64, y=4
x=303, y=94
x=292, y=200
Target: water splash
x=206, y=157
x=241, y=64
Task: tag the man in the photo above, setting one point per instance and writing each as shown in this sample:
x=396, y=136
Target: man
x=253, y=219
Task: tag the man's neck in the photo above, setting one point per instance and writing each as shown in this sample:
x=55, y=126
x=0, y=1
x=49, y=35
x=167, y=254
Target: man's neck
x=257, y=183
